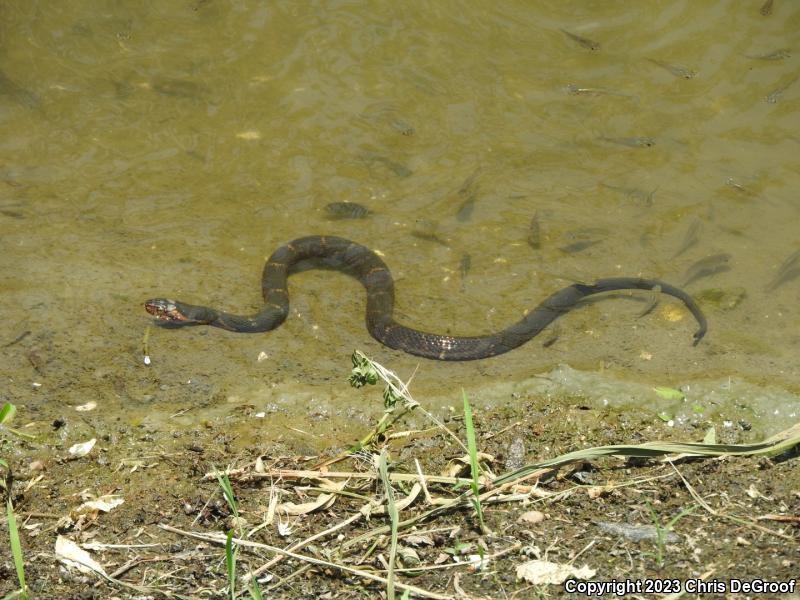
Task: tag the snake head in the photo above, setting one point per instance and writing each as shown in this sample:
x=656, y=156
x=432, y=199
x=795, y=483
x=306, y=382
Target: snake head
x=168, y=311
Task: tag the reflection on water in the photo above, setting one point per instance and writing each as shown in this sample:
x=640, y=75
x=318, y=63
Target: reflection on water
x=169, y=148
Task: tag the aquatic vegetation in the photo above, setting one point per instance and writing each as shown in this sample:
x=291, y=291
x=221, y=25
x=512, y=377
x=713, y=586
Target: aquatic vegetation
x=721, y=298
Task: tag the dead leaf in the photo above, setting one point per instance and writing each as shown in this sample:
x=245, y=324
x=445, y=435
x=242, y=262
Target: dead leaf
x=402, y=504
x=781, y=518
x=598, y=491
x=416, y=539
x=531, y=516
x=408, y=557
x=82, y=449
x=73, y=555
x=544, y=572
x=459, y=465
x=102, y=504
x=323, y=501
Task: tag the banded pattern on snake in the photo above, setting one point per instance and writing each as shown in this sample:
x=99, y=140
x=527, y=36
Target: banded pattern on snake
x=367, y=267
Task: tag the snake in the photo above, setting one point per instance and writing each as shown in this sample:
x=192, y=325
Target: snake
x=330, y=252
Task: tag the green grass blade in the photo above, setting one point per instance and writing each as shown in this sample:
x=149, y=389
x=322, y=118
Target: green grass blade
x=660, y=533
x=7, y=412
x=472, y=446
x=684, y=512
x=778, y=443
x=230, y=561
x=394, y=517
x=255, y=591
x=16, y=549
x=227, y=490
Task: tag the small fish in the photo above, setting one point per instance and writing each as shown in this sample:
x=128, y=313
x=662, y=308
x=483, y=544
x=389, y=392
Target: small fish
x=585, y=42
x=468, y=191
x=676, y=70
x=464, y=265
x=590, y=91
x=646, y=238
x=429, y=237
x=178, y=88
x=635, y=193
x=14, y=214
x=579, y=246
x=123, y=89
x=766, y=8
x=470, y=186
x=427, y=230
x=383, y=113
x=775, y=95
x=789, y=269
x=346, y=210
x=705, y=267
x=631, y=142
x=465, y=210
x=17, y=339
x=652, y=303
x=18, y=93
x=555, y=333
x=732, y=183
x=690, y=239
x=535, y=232
x=401, y=126
x=779, y=54
x=395, y=167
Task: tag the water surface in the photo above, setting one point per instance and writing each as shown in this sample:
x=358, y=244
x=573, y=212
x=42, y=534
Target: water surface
x=154, y=149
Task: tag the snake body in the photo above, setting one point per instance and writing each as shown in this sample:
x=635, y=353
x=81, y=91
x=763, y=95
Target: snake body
x=367, y=267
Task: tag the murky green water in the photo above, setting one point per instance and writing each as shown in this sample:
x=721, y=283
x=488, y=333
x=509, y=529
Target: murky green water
x=153, y=149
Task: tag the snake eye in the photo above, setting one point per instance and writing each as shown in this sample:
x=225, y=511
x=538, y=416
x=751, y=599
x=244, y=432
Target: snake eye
x=164, y=310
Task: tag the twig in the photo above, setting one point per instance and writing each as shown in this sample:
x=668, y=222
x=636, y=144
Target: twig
x=217, y=539
x=146, y=344
x=717, y=514
x=494, y=434
x=125, y=568
x=425, y=491
x=394, y=517
x=462, y=500
x=487, y=558
x=241, y=475
x=692, y=491
x=268, y=565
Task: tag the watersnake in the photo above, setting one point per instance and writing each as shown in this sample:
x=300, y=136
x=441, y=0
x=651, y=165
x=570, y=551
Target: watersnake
x=367, y=267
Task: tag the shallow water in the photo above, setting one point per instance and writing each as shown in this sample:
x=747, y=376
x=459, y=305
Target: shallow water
x=167, y=149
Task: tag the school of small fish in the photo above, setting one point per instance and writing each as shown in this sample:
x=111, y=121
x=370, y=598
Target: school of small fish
x=576, y=241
